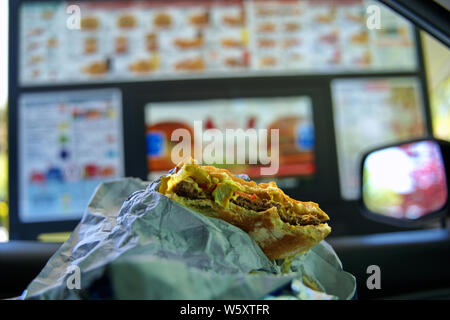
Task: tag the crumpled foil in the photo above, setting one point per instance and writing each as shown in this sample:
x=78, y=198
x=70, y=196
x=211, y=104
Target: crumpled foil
x=135, y=243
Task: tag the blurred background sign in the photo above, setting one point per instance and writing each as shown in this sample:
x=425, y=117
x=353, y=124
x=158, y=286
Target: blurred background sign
x=149, y=40
x=292, y=116
x=369, y=113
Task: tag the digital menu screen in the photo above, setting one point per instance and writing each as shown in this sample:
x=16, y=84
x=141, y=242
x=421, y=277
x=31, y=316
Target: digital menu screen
x=291, y=116
x=79, y=42
x=70, y=142
x=370, y=113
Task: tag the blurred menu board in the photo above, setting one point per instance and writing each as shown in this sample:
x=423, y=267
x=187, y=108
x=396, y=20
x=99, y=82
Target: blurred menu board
x=132, y=40
x=370, y=113
x=292, y=116
x=70, y=142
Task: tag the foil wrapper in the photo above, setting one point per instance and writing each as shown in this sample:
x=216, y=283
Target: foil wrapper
x=135, y=243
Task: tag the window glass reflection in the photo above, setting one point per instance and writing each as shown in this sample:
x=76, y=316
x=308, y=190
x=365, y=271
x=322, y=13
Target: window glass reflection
x=406, y=181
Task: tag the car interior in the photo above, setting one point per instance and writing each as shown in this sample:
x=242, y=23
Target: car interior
x=358, y=89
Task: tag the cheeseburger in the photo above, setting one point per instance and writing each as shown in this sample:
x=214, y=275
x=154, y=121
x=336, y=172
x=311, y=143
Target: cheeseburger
x=281, y=226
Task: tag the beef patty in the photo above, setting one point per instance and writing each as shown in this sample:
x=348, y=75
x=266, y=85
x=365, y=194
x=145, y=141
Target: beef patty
x=187, y=190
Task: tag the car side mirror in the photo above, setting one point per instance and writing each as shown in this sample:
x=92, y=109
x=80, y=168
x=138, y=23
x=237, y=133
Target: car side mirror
x=406, y=184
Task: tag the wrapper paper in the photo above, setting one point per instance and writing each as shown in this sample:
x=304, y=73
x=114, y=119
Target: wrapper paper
x=135, y=243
